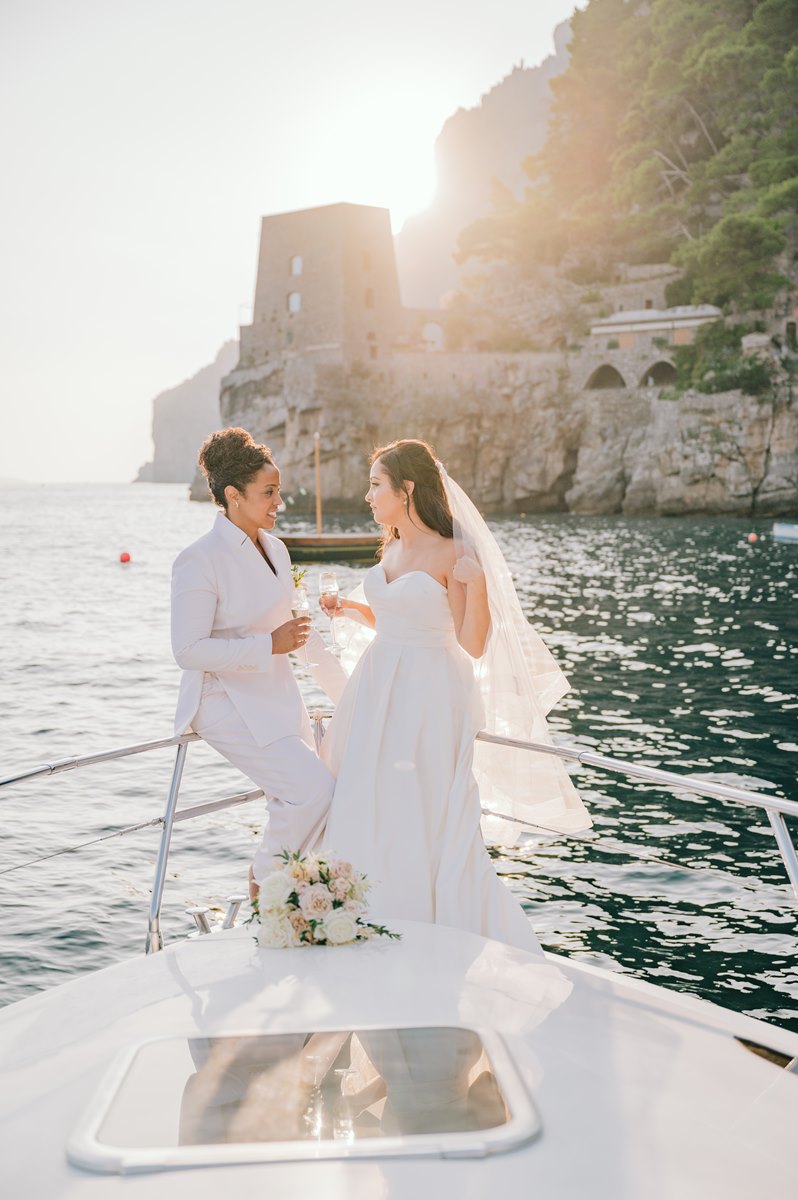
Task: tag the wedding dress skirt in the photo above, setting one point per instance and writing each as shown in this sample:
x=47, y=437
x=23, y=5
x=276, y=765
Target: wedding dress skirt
x=406, y=808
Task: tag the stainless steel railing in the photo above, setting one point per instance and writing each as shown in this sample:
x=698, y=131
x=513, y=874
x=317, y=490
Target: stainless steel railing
x=775, y=807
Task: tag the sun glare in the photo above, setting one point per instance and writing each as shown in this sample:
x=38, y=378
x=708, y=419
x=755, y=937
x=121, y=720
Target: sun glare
x=379, y=157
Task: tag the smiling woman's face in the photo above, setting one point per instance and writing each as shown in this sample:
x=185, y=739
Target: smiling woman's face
x=260, y=501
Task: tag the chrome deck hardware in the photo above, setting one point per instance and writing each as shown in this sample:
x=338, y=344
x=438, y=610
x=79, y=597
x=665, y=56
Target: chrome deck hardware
x=233, y=905
x=200, y=916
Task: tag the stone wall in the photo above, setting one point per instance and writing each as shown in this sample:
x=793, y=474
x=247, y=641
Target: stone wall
x=521, y=433
x=549, y=309
x=634, y=365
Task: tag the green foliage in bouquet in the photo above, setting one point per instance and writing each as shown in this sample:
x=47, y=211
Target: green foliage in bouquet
x=313, y=900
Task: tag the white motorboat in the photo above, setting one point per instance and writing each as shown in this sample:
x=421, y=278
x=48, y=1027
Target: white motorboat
x=785, y=531
x=441, y=1064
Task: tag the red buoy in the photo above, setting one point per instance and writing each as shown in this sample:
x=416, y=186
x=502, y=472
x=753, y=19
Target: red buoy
x=752, y=537
x=124, y=557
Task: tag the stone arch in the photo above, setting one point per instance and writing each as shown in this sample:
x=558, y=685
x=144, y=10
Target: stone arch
x=605, y=376
x=659, y=374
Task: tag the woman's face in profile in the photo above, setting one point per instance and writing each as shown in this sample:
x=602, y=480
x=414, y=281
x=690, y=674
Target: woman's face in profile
x=261, y=501
x=385, y=503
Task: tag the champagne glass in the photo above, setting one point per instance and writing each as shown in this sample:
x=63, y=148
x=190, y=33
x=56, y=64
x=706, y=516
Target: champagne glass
x=300, y=607
x=328, y=594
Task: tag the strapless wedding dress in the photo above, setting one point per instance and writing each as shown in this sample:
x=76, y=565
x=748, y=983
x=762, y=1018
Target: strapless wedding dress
x=406, y=808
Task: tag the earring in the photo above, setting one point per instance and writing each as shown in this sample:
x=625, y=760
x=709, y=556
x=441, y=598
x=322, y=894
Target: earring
x=237, y=504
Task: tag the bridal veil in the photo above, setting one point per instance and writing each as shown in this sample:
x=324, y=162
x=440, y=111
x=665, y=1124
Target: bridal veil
x=520, y=682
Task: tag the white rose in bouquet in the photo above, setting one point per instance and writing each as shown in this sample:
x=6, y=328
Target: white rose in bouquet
x=276, y=932
x=275, y=889
x=339, y=927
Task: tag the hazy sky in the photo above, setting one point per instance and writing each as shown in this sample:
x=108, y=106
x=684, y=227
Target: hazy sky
x=142, y=141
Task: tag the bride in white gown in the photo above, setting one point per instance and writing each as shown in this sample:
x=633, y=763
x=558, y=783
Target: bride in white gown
x=451, y=654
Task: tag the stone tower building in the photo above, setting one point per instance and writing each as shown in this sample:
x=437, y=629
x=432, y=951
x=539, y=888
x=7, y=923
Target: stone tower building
x=327, y=286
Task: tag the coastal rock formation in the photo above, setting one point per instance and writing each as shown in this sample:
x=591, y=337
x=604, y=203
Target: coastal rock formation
x=182, y=418
x=522, y=433
x=723, y=453
x=477, y=149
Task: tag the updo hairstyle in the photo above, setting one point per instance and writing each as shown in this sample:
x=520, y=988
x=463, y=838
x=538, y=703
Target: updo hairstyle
x=414, y=460
x=231, y=458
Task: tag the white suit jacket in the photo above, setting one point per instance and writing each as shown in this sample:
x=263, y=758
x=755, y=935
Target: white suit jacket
x=226, y=600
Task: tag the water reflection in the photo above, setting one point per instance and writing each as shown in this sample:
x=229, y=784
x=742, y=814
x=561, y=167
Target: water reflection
x=342, y=1086
x=661, y=627
x=680, y=641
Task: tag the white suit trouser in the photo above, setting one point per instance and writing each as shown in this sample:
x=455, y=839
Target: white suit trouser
x=297, y=785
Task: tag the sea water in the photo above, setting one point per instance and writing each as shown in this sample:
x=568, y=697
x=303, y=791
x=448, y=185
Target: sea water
x=679, y=637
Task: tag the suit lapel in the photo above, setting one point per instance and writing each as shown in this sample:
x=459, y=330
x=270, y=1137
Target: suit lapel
x=255, y=565
x=281, y=567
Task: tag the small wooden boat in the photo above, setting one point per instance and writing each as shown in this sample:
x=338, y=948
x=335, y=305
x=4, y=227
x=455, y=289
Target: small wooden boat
x=785, y=531
x=329, y=547
x=332, y=547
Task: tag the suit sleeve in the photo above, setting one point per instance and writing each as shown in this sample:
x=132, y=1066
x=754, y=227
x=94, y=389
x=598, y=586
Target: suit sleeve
x=194, y=599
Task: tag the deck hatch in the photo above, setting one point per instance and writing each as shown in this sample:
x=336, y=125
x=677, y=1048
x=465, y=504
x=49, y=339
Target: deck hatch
x=446, y=1091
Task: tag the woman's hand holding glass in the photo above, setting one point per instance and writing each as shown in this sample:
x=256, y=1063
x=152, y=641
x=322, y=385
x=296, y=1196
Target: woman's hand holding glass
x=329, y=598
x=291, y=635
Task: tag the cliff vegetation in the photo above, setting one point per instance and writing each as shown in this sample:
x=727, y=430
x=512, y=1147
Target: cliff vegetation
x=673, y=137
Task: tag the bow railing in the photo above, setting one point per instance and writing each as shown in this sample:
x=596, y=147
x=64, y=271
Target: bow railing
x=775, y=807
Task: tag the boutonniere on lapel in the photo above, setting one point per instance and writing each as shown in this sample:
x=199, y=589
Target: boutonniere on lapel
x=300, y=600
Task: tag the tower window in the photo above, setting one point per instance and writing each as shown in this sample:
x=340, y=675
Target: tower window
x=295, y=264
x=294, y=302
x=368, y=298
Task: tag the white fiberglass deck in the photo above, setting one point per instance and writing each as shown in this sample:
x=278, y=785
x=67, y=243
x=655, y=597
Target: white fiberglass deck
x=640, y=1092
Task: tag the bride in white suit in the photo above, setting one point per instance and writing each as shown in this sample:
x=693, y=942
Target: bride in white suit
x=232, y=630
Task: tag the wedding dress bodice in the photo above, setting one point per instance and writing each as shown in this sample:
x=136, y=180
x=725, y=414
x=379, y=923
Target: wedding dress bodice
x=412, y=609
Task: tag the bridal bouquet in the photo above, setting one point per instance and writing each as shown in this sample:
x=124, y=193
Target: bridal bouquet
x=310, y=900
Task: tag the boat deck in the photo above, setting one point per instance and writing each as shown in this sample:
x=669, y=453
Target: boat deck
x=641, y=1092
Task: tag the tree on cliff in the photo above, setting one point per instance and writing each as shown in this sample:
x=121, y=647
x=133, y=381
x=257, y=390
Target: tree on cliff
x=673, y=136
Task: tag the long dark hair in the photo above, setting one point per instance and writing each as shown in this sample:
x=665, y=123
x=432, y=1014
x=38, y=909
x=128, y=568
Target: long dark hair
x=412, y=460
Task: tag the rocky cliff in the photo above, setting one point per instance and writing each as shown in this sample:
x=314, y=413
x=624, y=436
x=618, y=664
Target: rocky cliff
x=521, y=433
x=476, y=147
x=182, y=418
